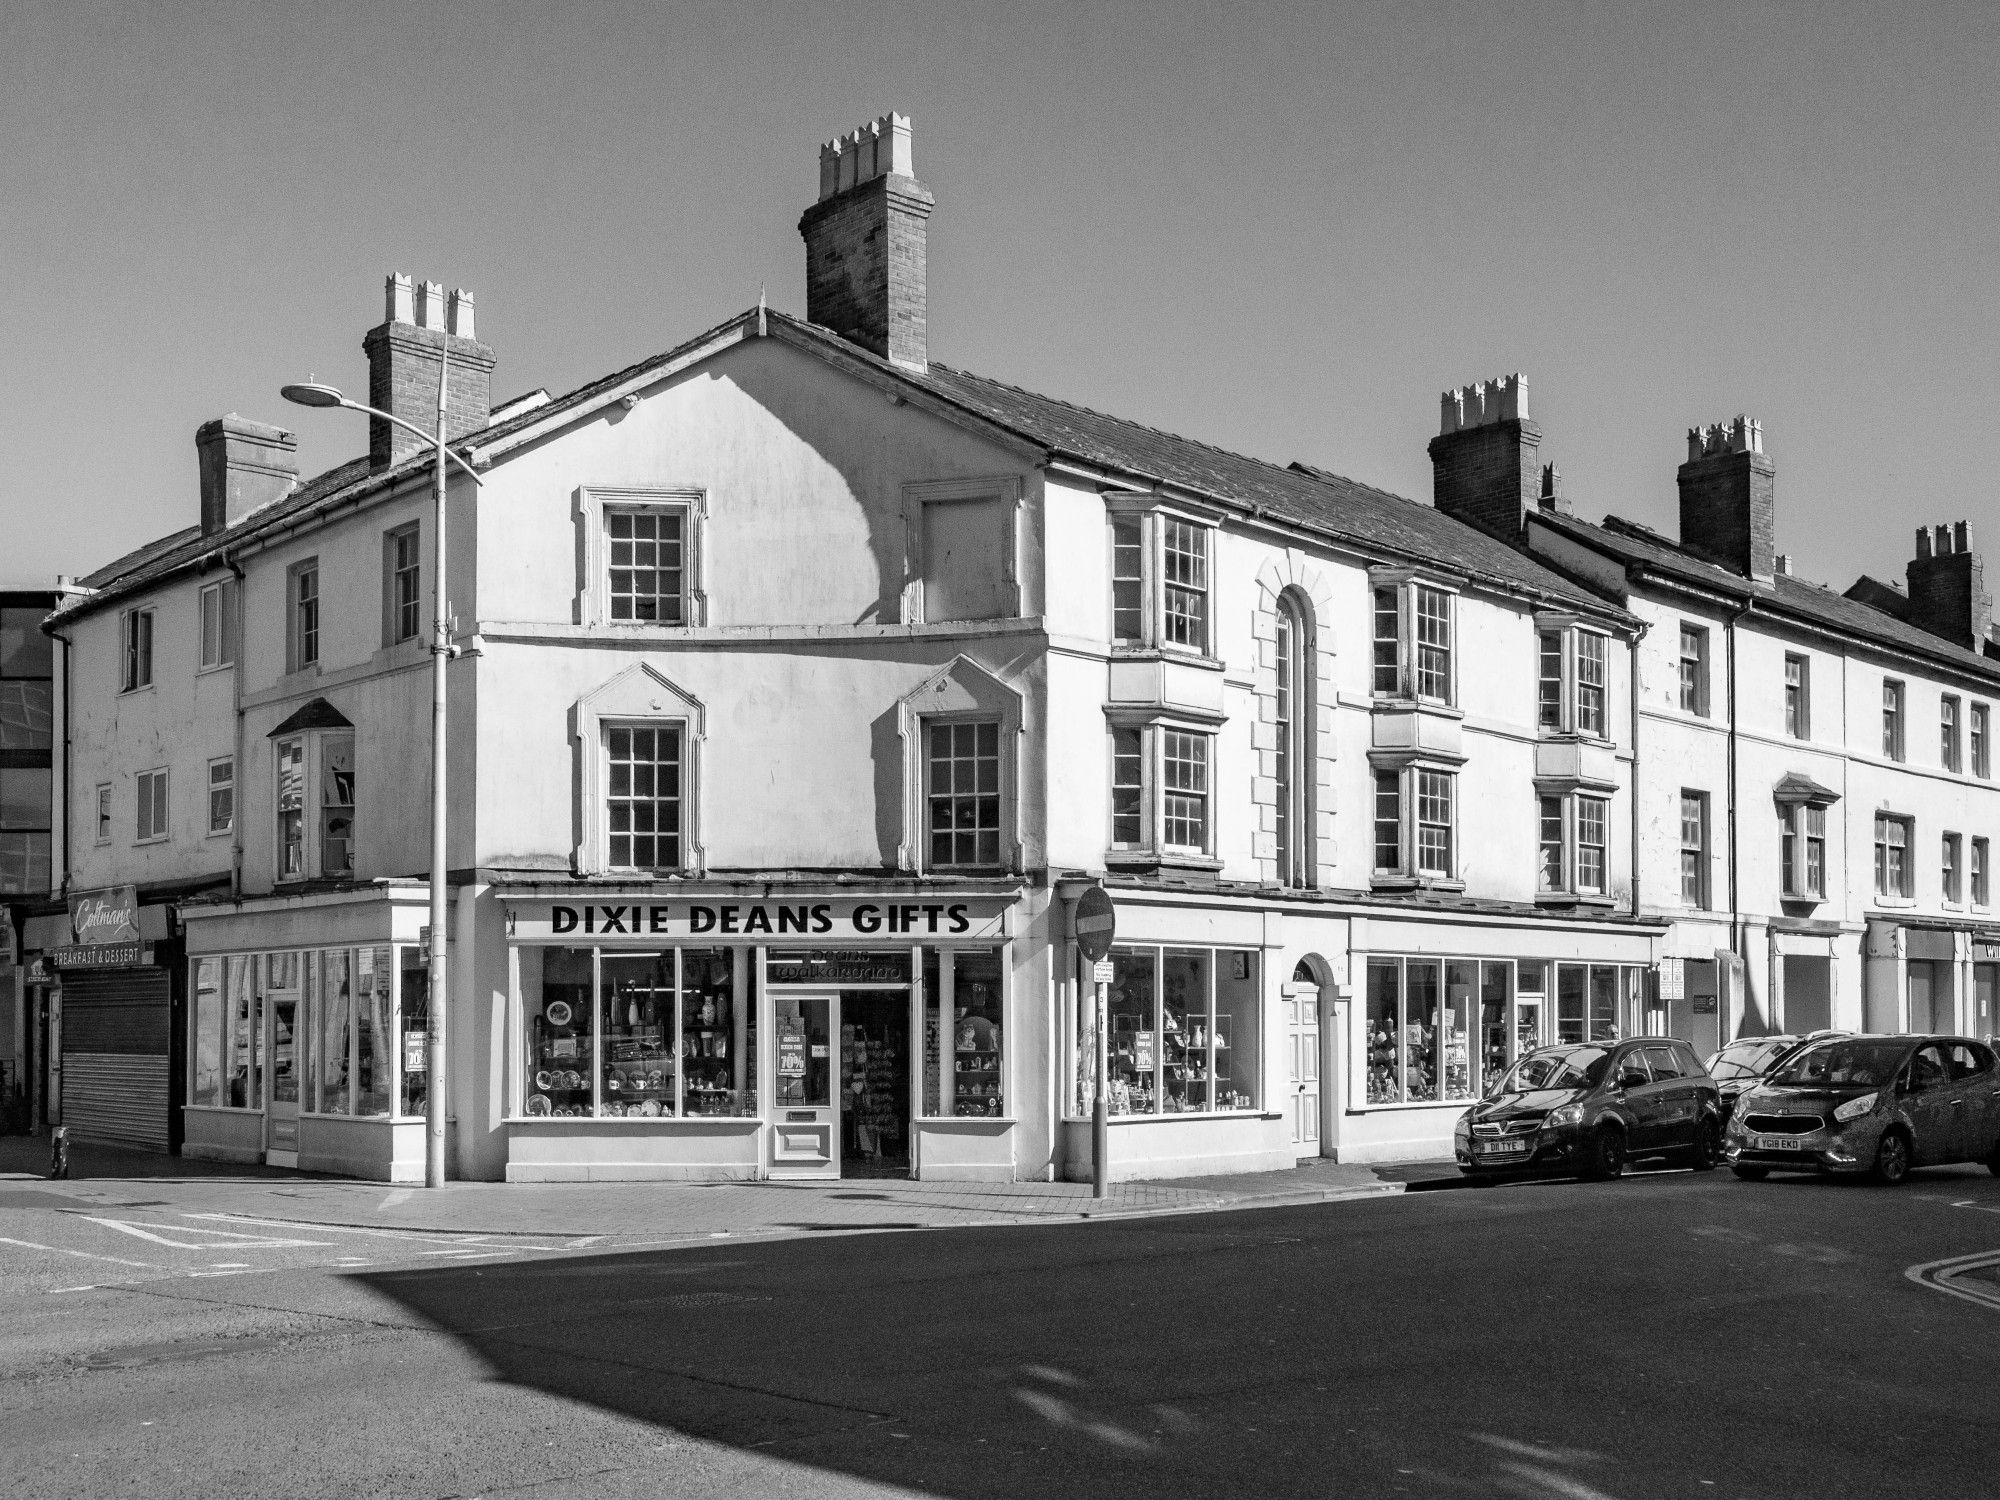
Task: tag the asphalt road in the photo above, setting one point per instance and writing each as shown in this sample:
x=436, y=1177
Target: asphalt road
x=1664, y=1335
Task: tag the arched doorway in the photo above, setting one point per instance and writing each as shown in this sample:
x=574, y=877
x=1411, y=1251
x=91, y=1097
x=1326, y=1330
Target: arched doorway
x=1309, y=1074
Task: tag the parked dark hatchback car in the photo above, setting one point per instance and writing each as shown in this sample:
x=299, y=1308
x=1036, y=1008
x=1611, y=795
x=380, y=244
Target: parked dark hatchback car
x=1738, y=1066
x=1877, y=1104
x=1592, y=1109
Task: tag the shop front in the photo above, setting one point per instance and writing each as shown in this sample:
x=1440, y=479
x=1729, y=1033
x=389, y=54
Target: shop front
x=305, y=1032
x=1932, y=976
x=719, y=1035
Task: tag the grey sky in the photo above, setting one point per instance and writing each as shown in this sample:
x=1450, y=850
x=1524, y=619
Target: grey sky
x=1282, y=229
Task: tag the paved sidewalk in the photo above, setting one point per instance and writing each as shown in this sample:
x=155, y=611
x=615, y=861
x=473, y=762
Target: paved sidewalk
x=650, y=1211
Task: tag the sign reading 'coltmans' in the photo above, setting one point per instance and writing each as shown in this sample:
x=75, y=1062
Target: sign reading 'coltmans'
x=612, y=922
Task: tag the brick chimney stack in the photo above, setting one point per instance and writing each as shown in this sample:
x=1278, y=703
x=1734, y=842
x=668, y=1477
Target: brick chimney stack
x=865, y=259
x=403, y=358
x=245, y=466
x=1729, y=498
x=1948, y=587
x=1484, y=460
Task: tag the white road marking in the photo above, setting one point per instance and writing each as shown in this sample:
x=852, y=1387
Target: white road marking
x=31, y=1245
x=138, y=1229
x=1945, y=1276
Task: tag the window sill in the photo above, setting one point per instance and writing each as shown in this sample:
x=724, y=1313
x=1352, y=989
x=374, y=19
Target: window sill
x=634, y=1122
x=1576, y=898
x=1574, y=737
x=1792, y=899
x=1252, y=1113
x=1147, y=859
x=213, y=667
x=1186, y=656
x=158, y=838
x=1411, y=1104
x=144, y=687
x=1394, y=882
x=1896, y=903
x=1390, y=703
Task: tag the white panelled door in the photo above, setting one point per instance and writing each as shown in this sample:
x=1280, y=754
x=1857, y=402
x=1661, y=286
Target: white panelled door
x=1302, y=1035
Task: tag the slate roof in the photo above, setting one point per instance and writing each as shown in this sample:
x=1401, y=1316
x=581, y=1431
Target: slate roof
x=1373, y=521
x=1809, y=604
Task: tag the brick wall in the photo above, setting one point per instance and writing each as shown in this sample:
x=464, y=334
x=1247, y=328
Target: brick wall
x=403, y=378
x=1948, y=598
x=1489, y=476
x=1729, y=511
x=866, y=266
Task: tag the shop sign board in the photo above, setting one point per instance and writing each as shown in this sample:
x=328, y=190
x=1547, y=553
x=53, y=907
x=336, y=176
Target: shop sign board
x=1096, y=924
x=639, y=921
x=100, y=956
x=108, y=916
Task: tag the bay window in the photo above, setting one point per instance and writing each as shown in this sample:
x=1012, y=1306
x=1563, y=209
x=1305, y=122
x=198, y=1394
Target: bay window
x=1416, y=825
x=1415, y=630
x=1162, y=804
x=1161, y=578
x=1804, y=850
x=1573, y=679
x=1573, y=844
x=1185, y=1031
x=313, y=789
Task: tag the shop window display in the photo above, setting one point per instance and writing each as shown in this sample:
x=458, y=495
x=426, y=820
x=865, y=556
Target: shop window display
x=374, y=1032
x=1604, y=1018
x=415, y=1029
x=290, y=1050
x=243, y=1056
x=1133, y=1035
x=1186, y=1031
x=1384, y=1056
x=638, y=1062
x=1420, y=1029
x=334, y=995
x=710, y=1036
x=1236, y=1055
x=975, y=1081
x=1495, y=991
x=561, y=1053
x=1531, y=979
x=874, y=1079
x=205, y=1087
x=1569, y=1003
x=1461, y=986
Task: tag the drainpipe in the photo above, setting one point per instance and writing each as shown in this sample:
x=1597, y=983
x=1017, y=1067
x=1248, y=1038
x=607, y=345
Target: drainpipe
x=1735, y=910
x=1632, y=796
x=237, y=769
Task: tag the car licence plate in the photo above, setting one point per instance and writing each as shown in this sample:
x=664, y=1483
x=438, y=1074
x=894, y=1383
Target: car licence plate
x=1501, y=1148
x=1779, y=1143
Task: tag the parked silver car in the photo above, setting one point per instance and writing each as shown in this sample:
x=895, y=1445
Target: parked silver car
x=1877, y=1104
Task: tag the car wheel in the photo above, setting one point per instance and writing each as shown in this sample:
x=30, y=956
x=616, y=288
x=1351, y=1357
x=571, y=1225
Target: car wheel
x=1752, y=1174
x=1892, y=1158
x=1707, y=1146
x=1607, y=1156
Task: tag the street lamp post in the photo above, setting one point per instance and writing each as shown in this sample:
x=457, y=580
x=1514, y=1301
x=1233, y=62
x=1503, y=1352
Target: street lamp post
x=442, y=650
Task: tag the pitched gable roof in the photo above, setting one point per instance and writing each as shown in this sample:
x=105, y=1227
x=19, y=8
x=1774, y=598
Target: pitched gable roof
x=1371, y=520
x=1808, y=604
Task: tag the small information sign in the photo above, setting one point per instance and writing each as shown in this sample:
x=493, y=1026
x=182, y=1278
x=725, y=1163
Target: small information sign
x=1102, y=972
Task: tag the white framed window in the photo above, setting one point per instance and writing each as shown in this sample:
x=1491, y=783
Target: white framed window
x=643, y=557
x=218, y=624
x=642, y=791
x=1798, y=696
x=1948, y=739
x=1161, y=792
x=1573, y=845
x=402, y=584
x=1415, y=626
x=1161, y=563
x=1951, y=868
x=222, y=794
x=1981, y=765
x=1981, y=858
x=302, y=615
x=1893, y=836
x=152, y=806
x=1416, y=825
x=1694, y=849
x=1573, y=672
x=959, y=550
x=1803, y=850
x=1296, y=756
x=136, y=632
x=638, y=739
x=103, y=806
x=1892, y=718
x=314, y=787
x=962, y=794
x=289, y=790
x=1694, y=670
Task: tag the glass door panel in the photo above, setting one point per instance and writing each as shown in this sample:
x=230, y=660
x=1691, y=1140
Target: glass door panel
x=805, y=1130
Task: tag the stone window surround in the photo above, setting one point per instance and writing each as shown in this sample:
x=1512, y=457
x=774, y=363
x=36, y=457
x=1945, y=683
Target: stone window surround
x=1296, y=575
x=961, y=691
x=1007, y=489
x=638, y=695
x=1150, y=510
x=593, y=584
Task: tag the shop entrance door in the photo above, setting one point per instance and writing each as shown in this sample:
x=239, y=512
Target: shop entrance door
x=1302, y=1027
x=874, y=1087
x=805, y=1123
x=281, y=1142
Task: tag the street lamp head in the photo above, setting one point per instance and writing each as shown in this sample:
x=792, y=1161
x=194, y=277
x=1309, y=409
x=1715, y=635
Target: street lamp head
x=312, y=393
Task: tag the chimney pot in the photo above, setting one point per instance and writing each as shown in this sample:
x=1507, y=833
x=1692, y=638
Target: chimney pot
x=1961, y=536
x=1923, y=543
x=1943, y=534
x=430, y=306
x=1783, y=566
x=403, y=358
x=399, y=308
x=461, y=313
x=866, y=262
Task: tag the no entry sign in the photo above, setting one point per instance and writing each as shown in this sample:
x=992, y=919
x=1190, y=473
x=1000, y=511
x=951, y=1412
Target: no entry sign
x=1096, y=924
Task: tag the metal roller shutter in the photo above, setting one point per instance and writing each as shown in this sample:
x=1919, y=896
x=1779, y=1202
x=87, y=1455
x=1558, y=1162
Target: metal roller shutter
x=117, y=1050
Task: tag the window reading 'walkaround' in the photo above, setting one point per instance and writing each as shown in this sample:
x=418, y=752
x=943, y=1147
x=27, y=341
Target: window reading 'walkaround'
x=963, y=795
x=643, y=796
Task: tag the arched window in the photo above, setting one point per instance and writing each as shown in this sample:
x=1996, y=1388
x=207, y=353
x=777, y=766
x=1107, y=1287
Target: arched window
x=1296, y=716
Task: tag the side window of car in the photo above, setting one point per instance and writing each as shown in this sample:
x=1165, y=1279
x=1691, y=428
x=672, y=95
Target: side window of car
x=1964, y=1060
x=1926, y=1070
x=1690, y=1064
x=1663, y=1063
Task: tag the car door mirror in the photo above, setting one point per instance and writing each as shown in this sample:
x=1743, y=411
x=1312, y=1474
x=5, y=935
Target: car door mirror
x=1632, y=1078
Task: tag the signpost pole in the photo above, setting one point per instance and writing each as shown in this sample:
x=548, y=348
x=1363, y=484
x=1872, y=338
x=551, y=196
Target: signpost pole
x=1095, y=923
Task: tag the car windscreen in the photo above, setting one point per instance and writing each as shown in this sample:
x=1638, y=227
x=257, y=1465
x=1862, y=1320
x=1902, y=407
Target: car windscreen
x=1869, y=1064
x=1567, y=1068
x=1744, y=1059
